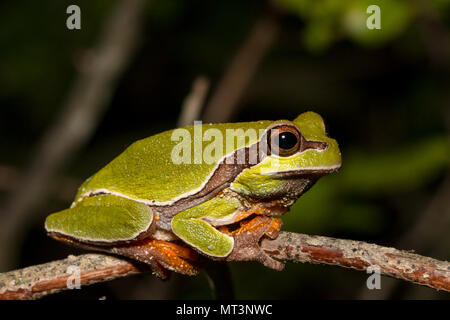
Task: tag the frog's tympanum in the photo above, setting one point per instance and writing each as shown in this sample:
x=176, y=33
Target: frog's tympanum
x=150, y=206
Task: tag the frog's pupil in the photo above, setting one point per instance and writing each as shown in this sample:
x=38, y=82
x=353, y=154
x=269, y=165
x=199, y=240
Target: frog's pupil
x=286, y=140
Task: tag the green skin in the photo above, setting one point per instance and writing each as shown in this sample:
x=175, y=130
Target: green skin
x=121, y=201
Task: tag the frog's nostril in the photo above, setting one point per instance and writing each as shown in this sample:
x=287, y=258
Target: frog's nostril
x=322, y=145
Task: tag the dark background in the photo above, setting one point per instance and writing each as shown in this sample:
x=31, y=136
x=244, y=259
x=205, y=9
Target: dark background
x=384, y=94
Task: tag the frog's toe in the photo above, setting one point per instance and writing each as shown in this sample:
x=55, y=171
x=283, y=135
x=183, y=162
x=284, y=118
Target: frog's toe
x=270, y=262
x=273, y=230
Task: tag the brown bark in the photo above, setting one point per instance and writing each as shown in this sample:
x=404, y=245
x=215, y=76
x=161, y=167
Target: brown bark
x=37, y=281
x=360, y=255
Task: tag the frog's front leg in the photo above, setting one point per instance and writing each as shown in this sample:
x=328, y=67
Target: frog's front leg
x=247, y=240
x=195, y=227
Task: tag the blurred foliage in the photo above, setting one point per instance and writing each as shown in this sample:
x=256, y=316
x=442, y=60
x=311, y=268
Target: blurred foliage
x=328, y=21
x=382, y=100
x=347, y=199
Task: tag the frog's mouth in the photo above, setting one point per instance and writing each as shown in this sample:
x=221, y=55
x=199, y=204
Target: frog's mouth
x=314, y=171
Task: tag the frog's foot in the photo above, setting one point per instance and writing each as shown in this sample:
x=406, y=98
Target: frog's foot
x=161, y=255
x=247, y=240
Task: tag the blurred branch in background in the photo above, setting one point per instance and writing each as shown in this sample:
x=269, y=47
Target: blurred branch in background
x=86, y=102
x=243, y=66
x=38, y=281
x=193, y=103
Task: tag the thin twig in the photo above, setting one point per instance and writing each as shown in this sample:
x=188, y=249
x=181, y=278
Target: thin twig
x=80, y=114
x=37, y=281
x=194, y=101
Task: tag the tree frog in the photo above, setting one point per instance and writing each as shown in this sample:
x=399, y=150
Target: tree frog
x=156, y=204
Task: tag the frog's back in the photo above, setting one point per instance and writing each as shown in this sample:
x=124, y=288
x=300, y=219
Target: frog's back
x=146, y=171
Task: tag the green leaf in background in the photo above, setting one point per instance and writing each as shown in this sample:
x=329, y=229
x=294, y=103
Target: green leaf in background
x=327, y=21
x=318, y=35
x=395, y=17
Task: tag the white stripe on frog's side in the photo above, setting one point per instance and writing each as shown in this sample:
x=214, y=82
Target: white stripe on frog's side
x=155, y=203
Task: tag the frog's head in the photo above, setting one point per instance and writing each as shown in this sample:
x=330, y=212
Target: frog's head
x=298, y=153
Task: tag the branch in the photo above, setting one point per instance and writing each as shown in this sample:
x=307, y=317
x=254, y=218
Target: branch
x=360, y=255
x=37, y=281
x=426, y=231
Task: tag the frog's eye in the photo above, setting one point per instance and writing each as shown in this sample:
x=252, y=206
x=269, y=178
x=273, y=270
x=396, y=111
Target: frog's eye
x=284, y=140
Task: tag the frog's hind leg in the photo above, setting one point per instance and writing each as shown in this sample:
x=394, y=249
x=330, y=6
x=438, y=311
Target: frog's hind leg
x=121, y=226
x=159, y=253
